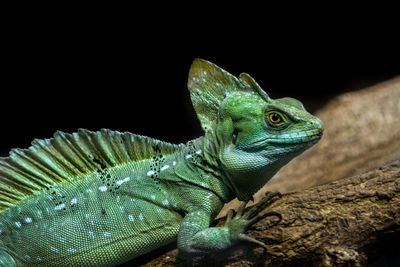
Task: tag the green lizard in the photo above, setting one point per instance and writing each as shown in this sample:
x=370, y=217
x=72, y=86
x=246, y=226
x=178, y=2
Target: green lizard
x=103, y=198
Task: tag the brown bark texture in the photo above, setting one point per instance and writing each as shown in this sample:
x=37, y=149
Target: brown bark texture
x=346, y=210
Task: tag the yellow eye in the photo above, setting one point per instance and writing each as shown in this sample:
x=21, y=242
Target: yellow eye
x=275, y=118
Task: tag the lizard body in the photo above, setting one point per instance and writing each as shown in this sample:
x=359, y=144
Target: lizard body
x=103, y=198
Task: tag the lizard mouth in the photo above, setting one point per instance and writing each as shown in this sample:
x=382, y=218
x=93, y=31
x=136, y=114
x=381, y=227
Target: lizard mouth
x=306, y=138
x=297, y=139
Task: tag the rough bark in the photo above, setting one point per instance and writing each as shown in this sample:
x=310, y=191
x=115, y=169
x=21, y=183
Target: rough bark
x=343, y=223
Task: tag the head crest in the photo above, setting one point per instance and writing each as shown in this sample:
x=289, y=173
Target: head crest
x=209, y=85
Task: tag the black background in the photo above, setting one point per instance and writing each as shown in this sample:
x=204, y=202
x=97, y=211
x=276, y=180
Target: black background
x=99, y=76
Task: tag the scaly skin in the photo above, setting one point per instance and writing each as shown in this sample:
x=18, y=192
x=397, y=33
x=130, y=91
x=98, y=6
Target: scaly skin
x=104, y=198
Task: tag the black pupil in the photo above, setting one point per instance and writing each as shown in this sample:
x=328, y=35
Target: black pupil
x=275, y=117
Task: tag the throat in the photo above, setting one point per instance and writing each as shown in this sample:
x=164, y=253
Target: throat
x=249, y=172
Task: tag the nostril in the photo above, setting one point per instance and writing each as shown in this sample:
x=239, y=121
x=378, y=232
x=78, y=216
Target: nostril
x=317, y=124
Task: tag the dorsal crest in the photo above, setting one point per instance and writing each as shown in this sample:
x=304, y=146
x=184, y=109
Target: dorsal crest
x=68, y=157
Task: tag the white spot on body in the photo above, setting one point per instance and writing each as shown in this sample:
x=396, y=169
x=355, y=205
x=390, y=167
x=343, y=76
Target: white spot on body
x=91, y=235
x=27, y=257
x=153, y=197
x=165, y=202
x=204, y=80
x=159, y=210
x=1, y=231
x=198, y=152
x=103, y=188
x=18, y=224
x=59, y=206
x=150, y=173
x=164, y=167
x=88, y=190
x=74, y=201
x=174, y=163
x=38, y=258
x=188, y=156
x=71, y=250
x=28, y=219
x=199, y=91
x=203, y=185
x=218, y=84
x=54, y=249
x=119, y=182
x=107, y=234
x=205, y=72
x=209, y=195
x=121, y=208
x=131, y=218
x=141, y=217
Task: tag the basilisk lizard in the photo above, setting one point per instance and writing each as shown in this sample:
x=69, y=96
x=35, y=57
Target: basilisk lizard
x=103, y=198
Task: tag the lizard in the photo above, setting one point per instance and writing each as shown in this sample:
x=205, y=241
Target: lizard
x=102, y=198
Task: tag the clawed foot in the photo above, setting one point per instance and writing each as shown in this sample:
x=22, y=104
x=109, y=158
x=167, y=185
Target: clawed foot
x=243, y=219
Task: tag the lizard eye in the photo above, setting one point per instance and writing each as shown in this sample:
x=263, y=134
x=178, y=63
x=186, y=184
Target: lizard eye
x=274, y=118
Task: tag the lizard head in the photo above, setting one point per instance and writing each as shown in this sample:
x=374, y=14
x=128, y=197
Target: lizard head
x=250, y=135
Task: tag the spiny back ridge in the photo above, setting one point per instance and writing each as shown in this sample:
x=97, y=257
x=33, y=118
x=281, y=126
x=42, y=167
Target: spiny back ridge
x=68, y=157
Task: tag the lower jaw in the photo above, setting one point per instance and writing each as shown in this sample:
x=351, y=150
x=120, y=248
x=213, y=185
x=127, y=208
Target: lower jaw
x=303, y=140
x=292, y=146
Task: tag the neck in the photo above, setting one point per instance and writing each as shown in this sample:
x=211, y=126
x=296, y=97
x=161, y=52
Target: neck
x=247, y=172
x=199, y=167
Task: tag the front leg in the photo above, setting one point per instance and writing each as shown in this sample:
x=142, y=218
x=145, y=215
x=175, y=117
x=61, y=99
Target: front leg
x=197, y=238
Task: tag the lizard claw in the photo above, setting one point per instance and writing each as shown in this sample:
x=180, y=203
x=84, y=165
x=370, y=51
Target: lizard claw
x=247, y=238
x=229, y=216
x=265, y=215
x=244, y=219
x=241, y=209
x=261, y=205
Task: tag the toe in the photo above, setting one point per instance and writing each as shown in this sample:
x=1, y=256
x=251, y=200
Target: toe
x=229, y=215
x=261, y=216
x=247, y=238
x=241, y=209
